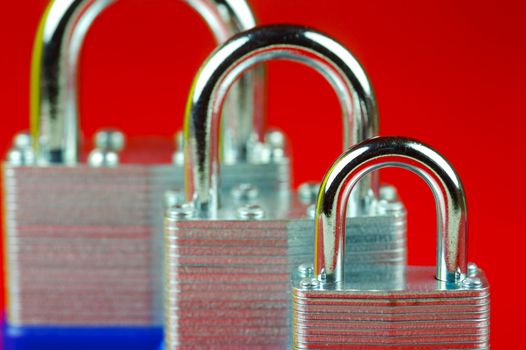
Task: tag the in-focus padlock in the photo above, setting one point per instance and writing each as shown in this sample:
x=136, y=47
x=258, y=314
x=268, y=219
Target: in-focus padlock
x=82, y=242
x=446, y=309
x=228, y=267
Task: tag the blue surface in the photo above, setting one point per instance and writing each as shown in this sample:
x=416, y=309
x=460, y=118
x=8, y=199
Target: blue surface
x=55, y=338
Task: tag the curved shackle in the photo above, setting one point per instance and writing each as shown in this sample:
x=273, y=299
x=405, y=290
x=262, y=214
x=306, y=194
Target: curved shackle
x=54, y=73
x=245, y=50
x=375, y=154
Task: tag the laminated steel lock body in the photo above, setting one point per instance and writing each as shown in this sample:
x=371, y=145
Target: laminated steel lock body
x=83, y=243
x=228, y=259
x=446, y=307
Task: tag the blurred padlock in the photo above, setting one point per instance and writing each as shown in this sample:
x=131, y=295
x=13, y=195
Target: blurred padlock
x=446, y=309
x=83, y=242
x=228, y=266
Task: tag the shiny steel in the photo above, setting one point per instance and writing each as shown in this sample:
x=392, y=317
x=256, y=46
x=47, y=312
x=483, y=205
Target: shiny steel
x=54, y=78
x=379, y=153
x=226, y=64
x=228, y=280
x=412, y=312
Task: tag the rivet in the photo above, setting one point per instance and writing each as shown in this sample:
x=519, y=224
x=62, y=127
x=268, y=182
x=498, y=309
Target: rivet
x=245, y=192
x=306, y=270
x=99, y=158
x=472, y=283
x=309, y=283
x=251, y=212
x=23, y=140
x=110, y=140
x=180, y=211
x=173, y=198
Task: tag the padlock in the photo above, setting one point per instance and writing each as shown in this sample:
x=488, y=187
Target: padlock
x=446, y=307
x=227, y=267
x=83, y=242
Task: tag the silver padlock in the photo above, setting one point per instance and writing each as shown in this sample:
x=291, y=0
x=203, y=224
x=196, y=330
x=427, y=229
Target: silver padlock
x=442, y=307
x=228, y=266
x=83, y=242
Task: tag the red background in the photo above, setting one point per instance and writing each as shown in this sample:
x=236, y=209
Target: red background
x=449, y=73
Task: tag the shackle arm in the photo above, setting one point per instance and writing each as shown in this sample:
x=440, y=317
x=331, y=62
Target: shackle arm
x=54, y=72
x=243, y=51
x=375, y=154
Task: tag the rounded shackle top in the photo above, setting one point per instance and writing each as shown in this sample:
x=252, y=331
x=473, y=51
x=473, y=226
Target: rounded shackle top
x=382, y=152
x=228, y=62
x=54, y=71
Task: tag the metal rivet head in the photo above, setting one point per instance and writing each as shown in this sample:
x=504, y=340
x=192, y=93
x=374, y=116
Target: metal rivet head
x=173, y=198
x=20, y=156
x=472, y=283
x=309, y=283
x=245, y=192
x=322, y=277
x=15, y=157
x=103, y=158
x=110, y=140
x=180, y=211
x=23, y=140
x=251, y=212
x=306, y=270
x=275, y=139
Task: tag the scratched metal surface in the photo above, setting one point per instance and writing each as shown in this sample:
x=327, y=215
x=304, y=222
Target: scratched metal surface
x=228, y=280
x=84, y=246
x=419, y=312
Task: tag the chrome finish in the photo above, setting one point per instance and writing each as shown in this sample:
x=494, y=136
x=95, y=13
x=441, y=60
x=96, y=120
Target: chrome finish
x=54, y=78
x=383, y=152
x=412, y=312
x=251, y=212
x=226, y=64
x=227, y=281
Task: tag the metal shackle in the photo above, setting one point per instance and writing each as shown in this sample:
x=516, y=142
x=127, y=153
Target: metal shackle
x=382, y=152
x=243, y=51
x=54, y=73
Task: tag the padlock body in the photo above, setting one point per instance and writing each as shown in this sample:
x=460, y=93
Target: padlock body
x=417, y=313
